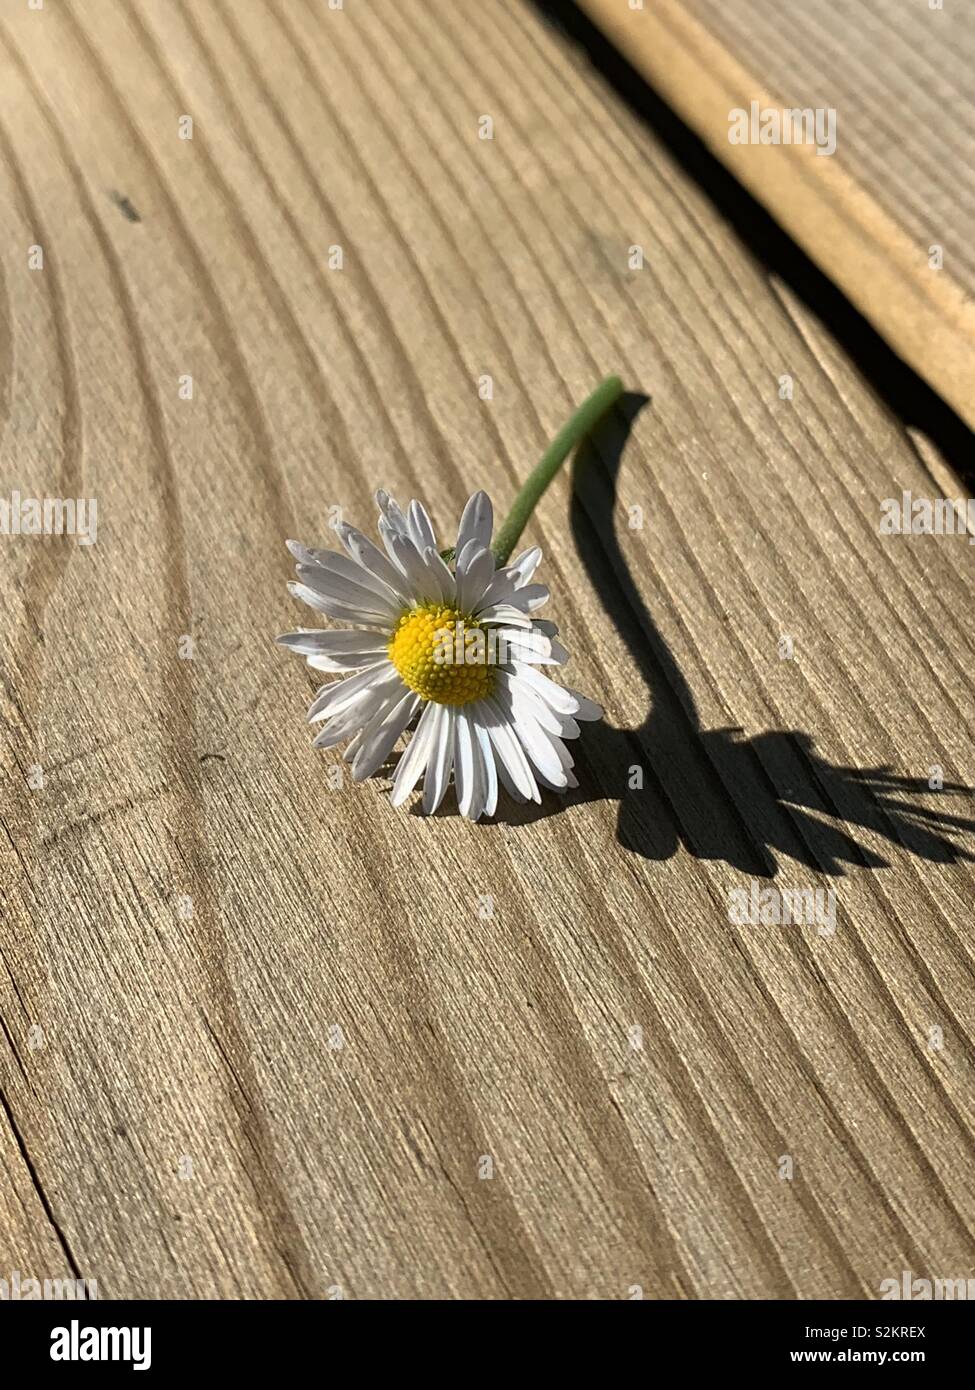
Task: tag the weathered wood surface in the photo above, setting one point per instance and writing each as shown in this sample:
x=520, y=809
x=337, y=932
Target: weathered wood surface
x=189, y=912
x=899, y=188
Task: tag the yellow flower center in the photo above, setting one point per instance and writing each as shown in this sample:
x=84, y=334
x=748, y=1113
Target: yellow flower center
x=442, y=655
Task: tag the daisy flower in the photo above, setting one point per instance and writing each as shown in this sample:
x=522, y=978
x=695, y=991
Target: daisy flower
x=458, y=650
x=446, y=644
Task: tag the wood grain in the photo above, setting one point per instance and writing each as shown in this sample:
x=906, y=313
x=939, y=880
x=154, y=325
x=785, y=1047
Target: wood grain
x=258, y=1039
x=900, y=183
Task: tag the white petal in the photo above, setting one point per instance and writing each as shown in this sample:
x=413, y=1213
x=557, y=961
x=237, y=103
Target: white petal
x=391, y=513
x=562, y=786
x=350, y=722
x=535, y=728
x=517, y=697
x=420, y=527
x=388, y=534
x=561, y=752
x=503, y=613
x=479, y=798
x=441, y=759
x=585, y=708
x=530, y=645
x=349, y=591
x=465, y=765
x=500, y=590
x=323, y=641
x=423, y=581
x=349, y=753
x=347, y=613
x=353, y=661
x=522, y=569
x=441, y=575
x=531, y=596
x=505, y=780
x=562, y=700
x=566, y=777
x=331, y=699
x=476, y=522
x=380, y=737
x=475, y=568
x=539, y=749
x=347, y=567
x=524, y=600
x=411, y=766
x=510, y=753
x=338, y=730
x=487, y=760
x=371, y=558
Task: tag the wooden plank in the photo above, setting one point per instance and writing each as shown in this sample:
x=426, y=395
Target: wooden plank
x=890, y=213
x=191, y=913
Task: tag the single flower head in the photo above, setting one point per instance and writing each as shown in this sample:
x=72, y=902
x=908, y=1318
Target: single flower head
x=453, y=647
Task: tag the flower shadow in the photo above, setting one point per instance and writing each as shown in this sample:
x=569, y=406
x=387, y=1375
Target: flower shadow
x=715, y=792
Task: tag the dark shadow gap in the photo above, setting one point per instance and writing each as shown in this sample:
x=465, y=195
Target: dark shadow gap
x=905, y=394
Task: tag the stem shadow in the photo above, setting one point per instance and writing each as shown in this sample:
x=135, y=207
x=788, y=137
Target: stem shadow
x=715, y=792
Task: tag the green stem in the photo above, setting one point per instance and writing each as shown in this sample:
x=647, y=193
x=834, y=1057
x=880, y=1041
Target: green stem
x=572, y=433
